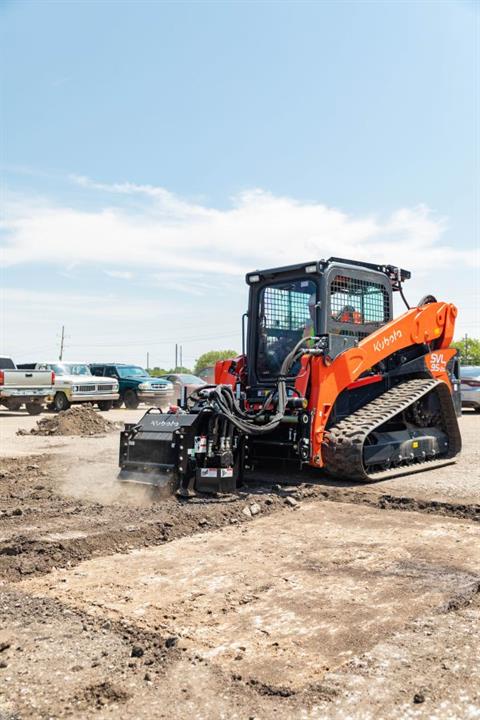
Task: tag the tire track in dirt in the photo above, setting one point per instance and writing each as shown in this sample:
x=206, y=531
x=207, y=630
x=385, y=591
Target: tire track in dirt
x=41, y=528
x=311, y=581
x=395, y=502
x=158, y=592
x=100, y=675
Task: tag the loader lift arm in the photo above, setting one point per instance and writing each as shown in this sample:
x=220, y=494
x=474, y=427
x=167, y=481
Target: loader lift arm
x=431, y=324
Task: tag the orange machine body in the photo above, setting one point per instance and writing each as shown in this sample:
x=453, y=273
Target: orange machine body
x=432, y=323
x=321, y=381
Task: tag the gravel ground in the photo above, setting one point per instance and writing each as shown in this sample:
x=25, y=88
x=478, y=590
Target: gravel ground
x=308, y=598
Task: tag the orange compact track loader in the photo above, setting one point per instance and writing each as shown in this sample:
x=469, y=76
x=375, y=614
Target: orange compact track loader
x=328, y=379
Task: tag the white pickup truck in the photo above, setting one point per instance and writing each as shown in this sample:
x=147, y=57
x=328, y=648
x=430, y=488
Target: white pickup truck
x=29, y=387
x=74, y=383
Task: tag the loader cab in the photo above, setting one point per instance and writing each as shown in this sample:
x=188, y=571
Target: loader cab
x=340, y=300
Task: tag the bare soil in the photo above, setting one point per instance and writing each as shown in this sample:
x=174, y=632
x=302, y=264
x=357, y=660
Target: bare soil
x=297, y=597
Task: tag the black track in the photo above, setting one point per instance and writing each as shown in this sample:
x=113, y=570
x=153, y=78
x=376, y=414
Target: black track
x=345, y=441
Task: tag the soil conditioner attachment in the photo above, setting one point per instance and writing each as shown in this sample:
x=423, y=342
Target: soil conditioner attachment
x=327, y=378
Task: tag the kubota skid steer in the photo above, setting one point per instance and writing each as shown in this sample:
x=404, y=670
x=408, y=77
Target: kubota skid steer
x=329, y=379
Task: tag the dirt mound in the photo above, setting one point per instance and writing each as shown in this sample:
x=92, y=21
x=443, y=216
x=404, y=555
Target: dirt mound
x=78, y=420
x=101, y=694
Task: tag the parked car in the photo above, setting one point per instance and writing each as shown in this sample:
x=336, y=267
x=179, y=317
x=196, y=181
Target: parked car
x=470, y=387
x=74, y=383
x=184, y=380
x=136, y=385
x=207, y=374
x=20, y=386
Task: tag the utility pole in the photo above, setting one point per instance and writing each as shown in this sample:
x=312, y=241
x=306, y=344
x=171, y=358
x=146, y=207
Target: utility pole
x=466, y=348
x=148, y=361
x=60, y=357
x=181, y=356
x=176, y=356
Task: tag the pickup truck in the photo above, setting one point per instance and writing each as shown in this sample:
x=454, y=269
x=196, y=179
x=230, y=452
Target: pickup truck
x=74, y=383
x=136, y=385
x=29, y=387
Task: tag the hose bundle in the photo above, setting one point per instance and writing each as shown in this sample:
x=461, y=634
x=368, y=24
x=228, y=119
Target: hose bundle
x=222, y=400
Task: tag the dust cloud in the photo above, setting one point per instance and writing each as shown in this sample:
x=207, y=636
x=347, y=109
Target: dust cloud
x=99, y=481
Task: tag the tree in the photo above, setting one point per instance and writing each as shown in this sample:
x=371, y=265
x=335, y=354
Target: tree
x=211, y=357
x=469, y=350
x=158, y=372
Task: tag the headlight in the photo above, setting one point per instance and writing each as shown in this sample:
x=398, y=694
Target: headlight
x=75, y=388
x=144, y=386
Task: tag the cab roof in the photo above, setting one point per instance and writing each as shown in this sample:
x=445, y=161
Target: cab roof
x=316, y=267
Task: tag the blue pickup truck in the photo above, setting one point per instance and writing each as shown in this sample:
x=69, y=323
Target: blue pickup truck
x=135, y=385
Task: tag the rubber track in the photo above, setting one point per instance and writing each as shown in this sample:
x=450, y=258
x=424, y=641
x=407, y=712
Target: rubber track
x=343, y=448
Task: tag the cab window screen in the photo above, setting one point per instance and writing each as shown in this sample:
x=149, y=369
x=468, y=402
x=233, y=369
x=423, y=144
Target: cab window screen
x=285, y=314
x=359, y=302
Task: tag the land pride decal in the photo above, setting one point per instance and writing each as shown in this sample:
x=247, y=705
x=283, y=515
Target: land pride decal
x=387, y=340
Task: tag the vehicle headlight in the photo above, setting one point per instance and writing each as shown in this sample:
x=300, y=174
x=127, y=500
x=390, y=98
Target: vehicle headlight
x=144, y=386
x=75, y=388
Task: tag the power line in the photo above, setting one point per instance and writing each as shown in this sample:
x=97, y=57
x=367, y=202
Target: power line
x=141, y=339
x=157, y=342
x=183, y=328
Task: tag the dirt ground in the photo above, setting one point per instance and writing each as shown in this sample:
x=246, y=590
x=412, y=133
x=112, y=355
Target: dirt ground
x=301, y=599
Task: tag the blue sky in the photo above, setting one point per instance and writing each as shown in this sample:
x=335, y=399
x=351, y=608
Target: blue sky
x=153, y=152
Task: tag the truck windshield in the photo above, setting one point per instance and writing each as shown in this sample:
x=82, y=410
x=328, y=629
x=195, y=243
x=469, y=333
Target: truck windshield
x=71, y=369
x=132, y=371
x=286, y=313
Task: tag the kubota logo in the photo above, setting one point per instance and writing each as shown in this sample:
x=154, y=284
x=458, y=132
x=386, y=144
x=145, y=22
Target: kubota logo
x=387, y=340
x=164, y=423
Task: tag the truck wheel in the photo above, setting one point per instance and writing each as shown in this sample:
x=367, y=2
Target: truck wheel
x=60, y=402
x=131, y=400
x=105, y=405
x=14, y=405
x=33, y=408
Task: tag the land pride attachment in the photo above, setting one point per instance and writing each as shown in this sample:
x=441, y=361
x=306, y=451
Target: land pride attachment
x=328, y=379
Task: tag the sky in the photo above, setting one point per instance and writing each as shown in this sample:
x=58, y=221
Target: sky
x=152, y=153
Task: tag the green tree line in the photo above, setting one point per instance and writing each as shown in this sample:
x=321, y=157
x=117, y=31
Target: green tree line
x=469, y=350
x=206, y=360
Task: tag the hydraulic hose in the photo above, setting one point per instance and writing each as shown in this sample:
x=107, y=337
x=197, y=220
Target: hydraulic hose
x=403, y=296
x=222, y=399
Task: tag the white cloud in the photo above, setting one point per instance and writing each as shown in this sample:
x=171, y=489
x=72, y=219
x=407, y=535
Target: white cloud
x=164, y=200
x=185, y=263
x=169, y=233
